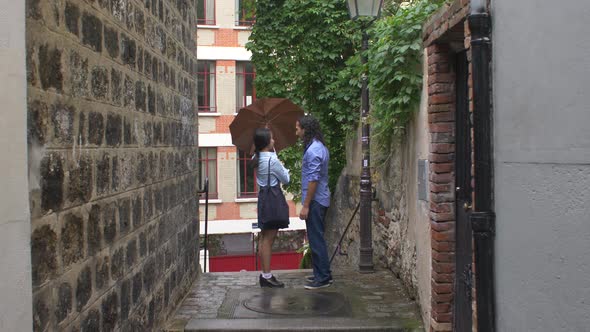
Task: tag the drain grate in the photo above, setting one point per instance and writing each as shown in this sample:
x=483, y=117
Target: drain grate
x=283, y=303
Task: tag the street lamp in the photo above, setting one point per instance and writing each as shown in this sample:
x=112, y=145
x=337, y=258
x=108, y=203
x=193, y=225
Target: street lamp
x=371, y=9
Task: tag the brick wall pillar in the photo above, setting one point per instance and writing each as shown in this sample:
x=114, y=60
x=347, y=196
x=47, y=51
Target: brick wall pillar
x=441, y=117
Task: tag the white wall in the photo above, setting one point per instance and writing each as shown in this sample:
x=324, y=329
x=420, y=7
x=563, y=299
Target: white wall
x=15, y=257
x=541, y=80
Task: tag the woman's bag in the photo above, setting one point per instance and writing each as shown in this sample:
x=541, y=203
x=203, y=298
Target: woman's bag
x=273, y=210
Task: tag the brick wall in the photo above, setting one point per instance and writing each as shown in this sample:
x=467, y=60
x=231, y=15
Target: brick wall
x=112, y=161
x=444, y=34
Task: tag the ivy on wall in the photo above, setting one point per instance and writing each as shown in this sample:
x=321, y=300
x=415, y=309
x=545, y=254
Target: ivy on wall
x=309, y=51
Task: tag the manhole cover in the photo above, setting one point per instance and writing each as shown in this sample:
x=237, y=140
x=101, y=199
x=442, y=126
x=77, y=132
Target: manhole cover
x=277, y=303
x=283, y=303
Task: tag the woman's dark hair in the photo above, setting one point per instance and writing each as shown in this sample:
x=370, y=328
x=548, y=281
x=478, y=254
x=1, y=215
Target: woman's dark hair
x=261, y=140
x=312, y=130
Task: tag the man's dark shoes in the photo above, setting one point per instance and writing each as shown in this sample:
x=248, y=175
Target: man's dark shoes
x=272, y=282
x=310, y=278
x=318, y=285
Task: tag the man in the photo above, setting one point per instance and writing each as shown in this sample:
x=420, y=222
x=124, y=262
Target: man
x=315, y=198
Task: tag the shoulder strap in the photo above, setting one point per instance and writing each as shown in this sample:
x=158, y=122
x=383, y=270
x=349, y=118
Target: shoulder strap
x=268, y=182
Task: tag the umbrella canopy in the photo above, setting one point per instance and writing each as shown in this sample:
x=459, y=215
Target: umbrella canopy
x=277, y=114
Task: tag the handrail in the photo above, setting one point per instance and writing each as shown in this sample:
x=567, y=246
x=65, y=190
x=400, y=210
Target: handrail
x=206, y=191
x=344, y=233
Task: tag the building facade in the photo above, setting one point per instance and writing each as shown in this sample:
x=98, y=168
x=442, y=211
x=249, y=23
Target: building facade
x=225, y=78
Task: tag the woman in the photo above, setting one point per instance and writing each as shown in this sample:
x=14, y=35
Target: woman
x=264, y=151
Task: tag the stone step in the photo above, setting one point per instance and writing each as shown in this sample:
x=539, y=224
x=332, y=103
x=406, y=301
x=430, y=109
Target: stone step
x=322, y=324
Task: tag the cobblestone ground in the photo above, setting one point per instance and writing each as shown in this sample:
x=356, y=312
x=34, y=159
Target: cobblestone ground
x=376, y=296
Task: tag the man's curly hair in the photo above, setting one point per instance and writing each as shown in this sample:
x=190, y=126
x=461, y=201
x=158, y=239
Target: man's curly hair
x=312, y=130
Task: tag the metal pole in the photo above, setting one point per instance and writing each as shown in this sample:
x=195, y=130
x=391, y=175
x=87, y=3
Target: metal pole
x=483, y=218
x=366, y=248
x=206, y=191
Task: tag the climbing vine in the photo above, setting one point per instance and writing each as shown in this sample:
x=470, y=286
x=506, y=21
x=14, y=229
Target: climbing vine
x=309, y=51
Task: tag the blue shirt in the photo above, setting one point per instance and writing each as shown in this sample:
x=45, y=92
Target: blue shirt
x=315, y=168
x=278, y=172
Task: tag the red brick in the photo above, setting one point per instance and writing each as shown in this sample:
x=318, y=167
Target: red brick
x=442, y=317
x=443, y=267
x=440, y=108
x=438, y=67
x=443, y=277
x=442, y=288
x=443, y=127
x=442, y=207
x=441, y=157
x=443, y=246
x=442, y=226
x=443, y=257
x=442, y=167
x=441, y=117
x=442, y=137
x=442, y=298
x=441, y=98
x=441, y=178
x=441, y=188
x=440, y=217
x=443, y=236
x=441, y=197
x=441, y=78
x=442, y=307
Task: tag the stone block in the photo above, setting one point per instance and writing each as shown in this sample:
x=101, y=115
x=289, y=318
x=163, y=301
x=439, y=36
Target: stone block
x=116, y=87
x=142, y=171
x=118, y=264
x=149, y=274
x=72, y=239
x=137, y=211
x=110, y=312
x=111, y=41
x=52, y=181
x=151, y=100
x=124, y=216
x=128, y=51
x=91, y=323
x=50, y=68
x=103, y=170
x=140, y=96
x=109, y=220
x=43, y=254
x=96, y=128
x=80, y=183
x=102, y=277
x=72, y=18
x=78, y=70
x=94, y=230
x=83, y=288
x=142, y=244
x=129, y=92
x=62, y=119
x=125, y=298
x=137, y=287
x=41, y=314
x=38, y=122
x=100, y=83
x=115, y=174
x=92, y=32
x=114, y=130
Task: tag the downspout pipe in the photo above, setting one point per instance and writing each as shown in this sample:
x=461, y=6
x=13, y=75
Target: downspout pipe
x=483, y=216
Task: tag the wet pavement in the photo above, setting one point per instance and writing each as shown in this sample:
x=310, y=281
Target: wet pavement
x=233, y=301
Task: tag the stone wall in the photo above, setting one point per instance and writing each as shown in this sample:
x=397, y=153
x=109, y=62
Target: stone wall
x=112, y=161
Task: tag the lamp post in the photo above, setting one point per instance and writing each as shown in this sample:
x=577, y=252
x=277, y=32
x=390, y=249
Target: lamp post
x=370, y=9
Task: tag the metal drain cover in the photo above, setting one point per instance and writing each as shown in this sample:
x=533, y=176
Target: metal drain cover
x=283, y=303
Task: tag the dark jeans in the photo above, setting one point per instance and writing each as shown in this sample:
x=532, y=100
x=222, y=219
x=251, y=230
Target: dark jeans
x=315, y=234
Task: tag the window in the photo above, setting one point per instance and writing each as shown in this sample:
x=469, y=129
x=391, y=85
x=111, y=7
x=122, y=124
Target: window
x=245, y=12
x=247, y=186
x=206, y=12
x=206, y=86
x=208, y=168
x=245, y=91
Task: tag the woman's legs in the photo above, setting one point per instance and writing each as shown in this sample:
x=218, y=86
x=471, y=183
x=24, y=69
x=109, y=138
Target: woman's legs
x=267, y=238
